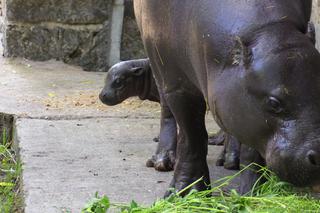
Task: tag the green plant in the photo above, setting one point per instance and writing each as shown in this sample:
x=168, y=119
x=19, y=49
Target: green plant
x=97, y=205
x=10, y=171
x=270, y=196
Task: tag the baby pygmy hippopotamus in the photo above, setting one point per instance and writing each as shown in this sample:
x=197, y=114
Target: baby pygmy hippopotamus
x=127, y=79
x=134, y=78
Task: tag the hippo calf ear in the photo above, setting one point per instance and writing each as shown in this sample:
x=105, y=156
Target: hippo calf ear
x=137, y=71
x=241, y=54
x=311, y=32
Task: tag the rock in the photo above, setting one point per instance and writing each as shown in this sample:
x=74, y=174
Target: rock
x=131, y=46
x=84, y=46
x=316, y=20
x=75, y=31
x=69, y=12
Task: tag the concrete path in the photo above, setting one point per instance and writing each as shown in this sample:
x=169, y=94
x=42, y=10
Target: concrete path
x=71, y=146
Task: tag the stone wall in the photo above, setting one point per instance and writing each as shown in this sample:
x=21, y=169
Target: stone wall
x=316, y=20
x=77, y=31
x=131, y=45
x=74, y=31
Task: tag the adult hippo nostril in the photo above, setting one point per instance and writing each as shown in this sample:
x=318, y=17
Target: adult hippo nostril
x=313, y=158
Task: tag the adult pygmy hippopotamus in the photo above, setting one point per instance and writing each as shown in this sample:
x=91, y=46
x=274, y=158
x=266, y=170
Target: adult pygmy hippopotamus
x=253, y=63
x=134, y=78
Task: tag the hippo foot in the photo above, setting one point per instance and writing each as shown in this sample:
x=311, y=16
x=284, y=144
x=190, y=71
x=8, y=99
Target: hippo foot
x=221, y=158
x=229, y=158
x=185, y=176
x=162, y=162
x=217, y=139
x=232, y=161
x=229, y=161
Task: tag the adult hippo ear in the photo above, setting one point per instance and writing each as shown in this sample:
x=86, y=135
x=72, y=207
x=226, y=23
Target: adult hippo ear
x=137, y=71
x=241, y=54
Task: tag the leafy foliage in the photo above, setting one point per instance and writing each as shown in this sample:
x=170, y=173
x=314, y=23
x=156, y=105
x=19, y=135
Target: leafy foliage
x=270, y=196
x=97, y=205
x=10, y=171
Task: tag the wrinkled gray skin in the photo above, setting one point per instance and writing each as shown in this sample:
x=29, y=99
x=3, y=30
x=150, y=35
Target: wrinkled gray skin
x=127, y=79
x=255, y=65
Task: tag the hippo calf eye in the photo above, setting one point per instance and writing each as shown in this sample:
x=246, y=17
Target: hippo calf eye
x=117, y=83
x=274, y=105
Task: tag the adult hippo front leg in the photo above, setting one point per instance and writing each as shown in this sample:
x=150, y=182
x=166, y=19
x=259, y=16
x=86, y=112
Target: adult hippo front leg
x=164, y=158
x=189, y=111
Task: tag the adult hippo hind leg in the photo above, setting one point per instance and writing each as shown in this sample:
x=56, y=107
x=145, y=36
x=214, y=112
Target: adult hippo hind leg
x=189, y=112
x=251, y=175
x=229, y=158
x=164, y=158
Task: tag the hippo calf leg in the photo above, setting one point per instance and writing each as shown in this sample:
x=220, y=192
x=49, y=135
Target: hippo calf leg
x=164, y=158
x=250, y=176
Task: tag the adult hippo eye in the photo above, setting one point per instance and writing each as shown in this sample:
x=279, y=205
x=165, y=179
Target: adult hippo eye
x=274, y=105
x=117, y=83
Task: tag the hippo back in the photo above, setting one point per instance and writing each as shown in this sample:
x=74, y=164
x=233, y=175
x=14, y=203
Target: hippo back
x=190, y=32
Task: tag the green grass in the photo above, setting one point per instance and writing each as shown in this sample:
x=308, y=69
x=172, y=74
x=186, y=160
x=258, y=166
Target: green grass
x=272, y=196
x=10, y=171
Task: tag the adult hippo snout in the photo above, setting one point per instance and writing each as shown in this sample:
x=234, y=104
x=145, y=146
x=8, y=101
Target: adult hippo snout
x=301, y=169
x=300, y=160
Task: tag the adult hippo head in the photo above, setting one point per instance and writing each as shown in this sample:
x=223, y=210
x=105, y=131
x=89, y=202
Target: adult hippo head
x=127, y=79
x=275, y=99
x=254, y=64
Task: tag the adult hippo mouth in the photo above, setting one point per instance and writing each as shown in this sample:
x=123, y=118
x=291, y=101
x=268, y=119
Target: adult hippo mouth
x=293, y=155
x=301, y=169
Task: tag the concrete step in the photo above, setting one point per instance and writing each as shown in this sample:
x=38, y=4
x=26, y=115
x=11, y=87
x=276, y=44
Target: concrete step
x=72, y=146
x=67, y=161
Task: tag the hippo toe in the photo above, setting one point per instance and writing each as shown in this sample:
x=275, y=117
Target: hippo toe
x=163, y=161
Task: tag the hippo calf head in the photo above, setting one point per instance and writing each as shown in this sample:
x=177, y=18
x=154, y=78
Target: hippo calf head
x=124, y=80
x=273, y=102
